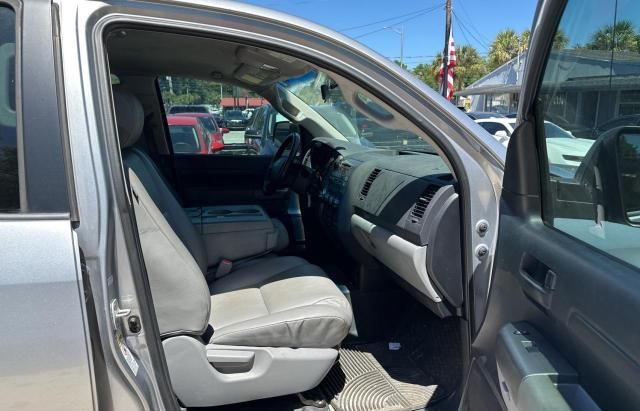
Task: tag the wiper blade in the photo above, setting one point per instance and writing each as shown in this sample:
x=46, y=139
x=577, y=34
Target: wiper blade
x=417, y=150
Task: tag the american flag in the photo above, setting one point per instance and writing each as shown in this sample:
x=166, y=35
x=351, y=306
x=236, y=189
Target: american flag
x=451, y=64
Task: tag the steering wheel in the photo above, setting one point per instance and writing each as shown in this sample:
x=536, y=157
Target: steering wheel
x=280, y=166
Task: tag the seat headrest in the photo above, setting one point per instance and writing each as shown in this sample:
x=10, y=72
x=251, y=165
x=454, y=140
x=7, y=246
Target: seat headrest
x=129, y=117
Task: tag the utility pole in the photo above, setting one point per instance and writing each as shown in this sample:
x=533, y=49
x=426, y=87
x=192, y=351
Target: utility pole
x=401, y=46
x=400, y=32
x=170, y=80
x=445, y=53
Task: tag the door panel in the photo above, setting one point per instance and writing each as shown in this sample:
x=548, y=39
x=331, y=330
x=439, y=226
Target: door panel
x=225, y=179
x=560, y=328
x=45, y=351
x=586, y=314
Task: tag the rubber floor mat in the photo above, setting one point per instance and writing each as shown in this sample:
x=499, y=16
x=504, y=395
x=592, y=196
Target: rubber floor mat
x=359, y=382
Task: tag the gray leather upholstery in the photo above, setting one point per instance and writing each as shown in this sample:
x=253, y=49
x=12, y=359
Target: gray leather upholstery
x=272, y=301
x=286, y=303
x=150, y=177
x=130, y=115
x=179, y=291
x=283, y=235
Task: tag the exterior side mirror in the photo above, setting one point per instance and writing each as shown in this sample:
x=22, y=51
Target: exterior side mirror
x=501, y=134
x=224, y=130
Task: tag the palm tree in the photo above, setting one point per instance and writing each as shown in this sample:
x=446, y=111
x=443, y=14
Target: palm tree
x=469, y=66
x=505, y=46
x=619, y=37
x=524, y=40
x=430, y=72
x=560, y=40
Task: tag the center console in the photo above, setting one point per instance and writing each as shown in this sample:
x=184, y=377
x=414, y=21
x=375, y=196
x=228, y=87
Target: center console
x=234, y=232
x=332, y=190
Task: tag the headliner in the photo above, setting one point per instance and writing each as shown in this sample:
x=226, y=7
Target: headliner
x=144, y=52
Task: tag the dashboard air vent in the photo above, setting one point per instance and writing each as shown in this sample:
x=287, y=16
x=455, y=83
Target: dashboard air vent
x=367, y=184
x=420, y=206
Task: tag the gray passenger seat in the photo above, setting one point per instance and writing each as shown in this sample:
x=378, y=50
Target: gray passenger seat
x=276, y=320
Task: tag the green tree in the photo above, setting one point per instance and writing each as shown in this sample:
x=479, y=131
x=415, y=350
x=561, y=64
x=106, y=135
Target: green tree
x=469, y=66
x=619, y=37
x=403, y=65
x=560, y=40
x=525, y=36
x=504, y=47
x=429, y=72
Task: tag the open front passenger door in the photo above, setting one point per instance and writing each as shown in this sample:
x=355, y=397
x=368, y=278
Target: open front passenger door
x=560, y=330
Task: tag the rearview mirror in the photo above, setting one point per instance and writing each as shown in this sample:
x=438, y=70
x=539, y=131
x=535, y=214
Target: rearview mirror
x=628, y=148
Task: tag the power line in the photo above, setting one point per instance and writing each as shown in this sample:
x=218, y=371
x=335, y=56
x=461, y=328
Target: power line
x=469, y=22
x=389, y=19
x=398, y=22
x=461, y=30
x=462, y=26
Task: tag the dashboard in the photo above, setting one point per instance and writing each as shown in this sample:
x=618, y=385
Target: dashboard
x=400, y=208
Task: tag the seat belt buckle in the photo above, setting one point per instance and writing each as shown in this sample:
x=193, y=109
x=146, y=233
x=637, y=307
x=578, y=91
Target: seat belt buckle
x=224, y=268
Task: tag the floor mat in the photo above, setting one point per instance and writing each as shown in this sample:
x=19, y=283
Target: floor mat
x=359, y=382
x=424, y=368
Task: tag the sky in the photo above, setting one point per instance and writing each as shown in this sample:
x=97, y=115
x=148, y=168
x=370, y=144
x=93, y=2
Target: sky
x=475, y=22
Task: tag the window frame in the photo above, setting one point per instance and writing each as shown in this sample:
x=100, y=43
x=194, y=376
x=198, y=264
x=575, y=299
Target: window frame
x=547, y=194
x=16, y=7
x=45, y=171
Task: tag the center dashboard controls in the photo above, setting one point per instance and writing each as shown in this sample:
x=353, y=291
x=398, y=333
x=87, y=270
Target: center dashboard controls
x=332, y=190
x=401, y=209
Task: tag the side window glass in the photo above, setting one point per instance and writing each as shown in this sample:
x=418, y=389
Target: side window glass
x=590, y=100
x=227, y=108
x=9, y=181
x=493, y=128
x=258, y=123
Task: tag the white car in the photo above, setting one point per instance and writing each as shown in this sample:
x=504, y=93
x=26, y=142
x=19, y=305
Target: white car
x=563, y=148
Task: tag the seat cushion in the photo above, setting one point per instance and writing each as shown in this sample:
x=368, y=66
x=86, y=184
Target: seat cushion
x=279, y=302
x=259, y=271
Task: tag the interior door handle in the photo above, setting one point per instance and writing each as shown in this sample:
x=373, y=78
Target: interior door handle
x=537, y=279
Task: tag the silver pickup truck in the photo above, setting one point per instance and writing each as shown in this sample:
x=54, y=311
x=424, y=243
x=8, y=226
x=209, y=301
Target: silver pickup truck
x=390, y=254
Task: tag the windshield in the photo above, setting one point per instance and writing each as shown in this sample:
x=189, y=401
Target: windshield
x=209, y=124
x=233, y=115
x=324, y=96
x=184, y=138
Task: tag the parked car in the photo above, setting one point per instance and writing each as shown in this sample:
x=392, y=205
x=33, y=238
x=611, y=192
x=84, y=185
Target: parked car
x=332, y=274
x=476, y=115
x=216, y=134
x=189, y=136
x=563, y=148
x=192, y=108
x=629, y=120
x=234, y=120
x=218, y=118
x=259, y=136
x=248, y=113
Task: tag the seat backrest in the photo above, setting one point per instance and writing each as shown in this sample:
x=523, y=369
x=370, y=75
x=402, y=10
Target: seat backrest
x=173, y=250
x=130, y=116
x=180, y=293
